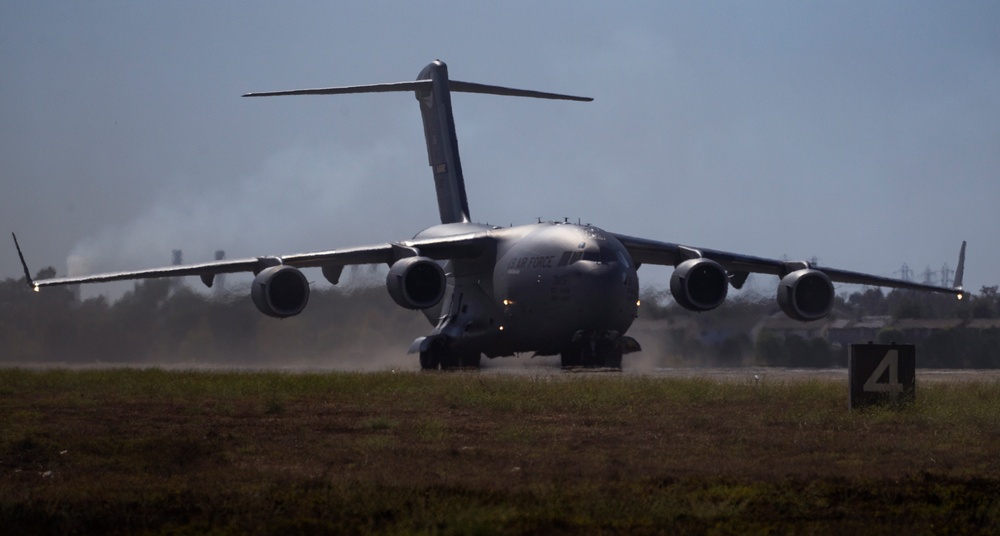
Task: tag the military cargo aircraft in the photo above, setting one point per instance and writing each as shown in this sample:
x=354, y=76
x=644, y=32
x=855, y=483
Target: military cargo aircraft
x=551, y=288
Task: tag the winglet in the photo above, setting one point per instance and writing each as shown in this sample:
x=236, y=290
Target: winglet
x=960, y=271
x=27, y=273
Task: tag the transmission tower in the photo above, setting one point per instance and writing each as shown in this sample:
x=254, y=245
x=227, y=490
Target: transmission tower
x=929, y=276
x=946, y=276
x=905, y=273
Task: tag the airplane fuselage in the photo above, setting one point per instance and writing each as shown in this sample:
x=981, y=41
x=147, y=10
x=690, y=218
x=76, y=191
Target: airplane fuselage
x=542, y=287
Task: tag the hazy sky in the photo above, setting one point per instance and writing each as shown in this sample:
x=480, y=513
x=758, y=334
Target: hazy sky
x=866, y=134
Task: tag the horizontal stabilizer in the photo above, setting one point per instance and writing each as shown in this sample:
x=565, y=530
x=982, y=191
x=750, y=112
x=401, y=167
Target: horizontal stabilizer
x=433, y=90
x=472, y=87
x=343, y=90
x=454, y=85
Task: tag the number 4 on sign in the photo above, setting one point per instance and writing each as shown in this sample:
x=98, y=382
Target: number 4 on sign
x=891, y=362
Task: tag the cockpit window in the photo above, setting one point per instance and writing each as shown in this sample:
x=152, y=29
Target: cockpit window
x=623, y=258
x=603, y=255
x=608, y=255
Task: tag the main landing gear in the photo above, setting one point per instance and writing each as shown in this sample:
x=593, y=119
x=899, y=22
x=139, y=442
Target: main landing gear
x=439, y=355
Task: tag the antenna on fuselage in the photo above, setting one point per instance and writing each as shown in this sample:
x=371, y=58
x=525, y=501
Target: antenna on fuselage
x=433, y=91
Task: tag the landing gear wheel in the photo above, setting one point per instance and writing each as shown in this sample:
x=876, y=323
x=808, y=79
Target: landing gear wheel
x=429, y=360
x=609, y=354
x=439, y=355
x=471, y=361
x=435, y=355
x=450, y=361
x=592, y=352
x=460, y=361
x=570, y=357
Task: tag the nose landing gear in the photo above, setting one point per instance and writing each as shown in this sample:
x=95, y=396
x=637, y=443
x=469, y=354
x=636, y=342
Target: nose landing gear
x=598, y=350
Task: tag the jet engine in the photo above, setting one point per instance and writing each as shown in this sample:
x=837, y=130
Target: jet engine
x=805, y=294
x=416, y=282
x=280, y=291
x=699, y=284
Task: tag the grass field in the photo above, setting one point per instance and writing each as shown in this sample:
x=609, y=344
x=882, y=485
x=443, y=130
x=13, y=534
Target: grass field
x=152, y=451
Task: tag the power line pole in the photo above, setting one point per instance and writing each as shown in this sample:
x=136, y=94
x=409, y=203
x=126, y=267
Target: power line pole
x=905, y=273
x=946, y=272
x=928, y=276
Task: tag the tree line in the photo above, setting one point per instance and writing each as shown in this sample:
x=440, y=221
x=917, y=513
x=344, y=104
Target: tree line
x=165, y=322
x=740, y=339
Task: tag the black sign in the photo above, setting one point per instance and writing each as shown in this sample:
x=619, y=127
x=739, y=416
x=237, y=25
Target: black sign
x=881, y=373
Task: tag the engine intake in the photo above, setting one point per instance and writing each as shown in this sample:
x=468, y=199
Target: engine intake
x=280, y=291
x=806, y=295
x=416, y=282
x=699, y=284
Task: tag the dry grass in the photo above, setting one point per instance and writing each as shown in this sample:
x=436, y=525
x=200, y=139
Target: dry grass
x=129, y=451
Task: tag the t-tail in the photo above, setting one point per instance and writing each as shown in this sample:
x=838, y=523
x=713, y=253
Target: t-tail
x=433, y=90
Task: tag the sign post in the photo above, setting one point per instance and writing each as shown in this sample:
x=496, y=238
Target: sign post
x=881, y=373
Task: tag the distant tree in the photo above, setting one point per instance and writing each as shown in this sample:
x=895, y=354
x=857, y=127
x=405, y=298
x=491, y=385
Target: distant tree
x=655, y=303
x=819, y=353
x=770, y=350
x=732, y=350
x=986, y=304
x=869, y=302
x=916, y=304
x=907, y=308
x=947, y=348
x=95, y=331
x=890, y=335
x=799, y=354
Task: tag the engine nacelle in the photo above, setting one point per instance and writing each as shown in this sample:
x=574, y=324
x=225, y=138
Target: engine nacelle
x=806, y=295
x=699, y=284
x=280, y=291
x=416, y=282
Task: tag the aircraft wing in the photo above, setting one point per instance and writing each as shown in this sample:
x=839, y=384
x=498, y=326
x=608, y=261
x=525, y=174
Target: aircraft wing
x=645, y=251
x=332, y=261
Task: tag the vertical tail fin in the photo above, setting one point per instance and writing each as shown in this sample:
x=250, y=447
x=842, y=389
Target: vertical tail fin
x=433, y=90
x=442, y=143
x=960, y=271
